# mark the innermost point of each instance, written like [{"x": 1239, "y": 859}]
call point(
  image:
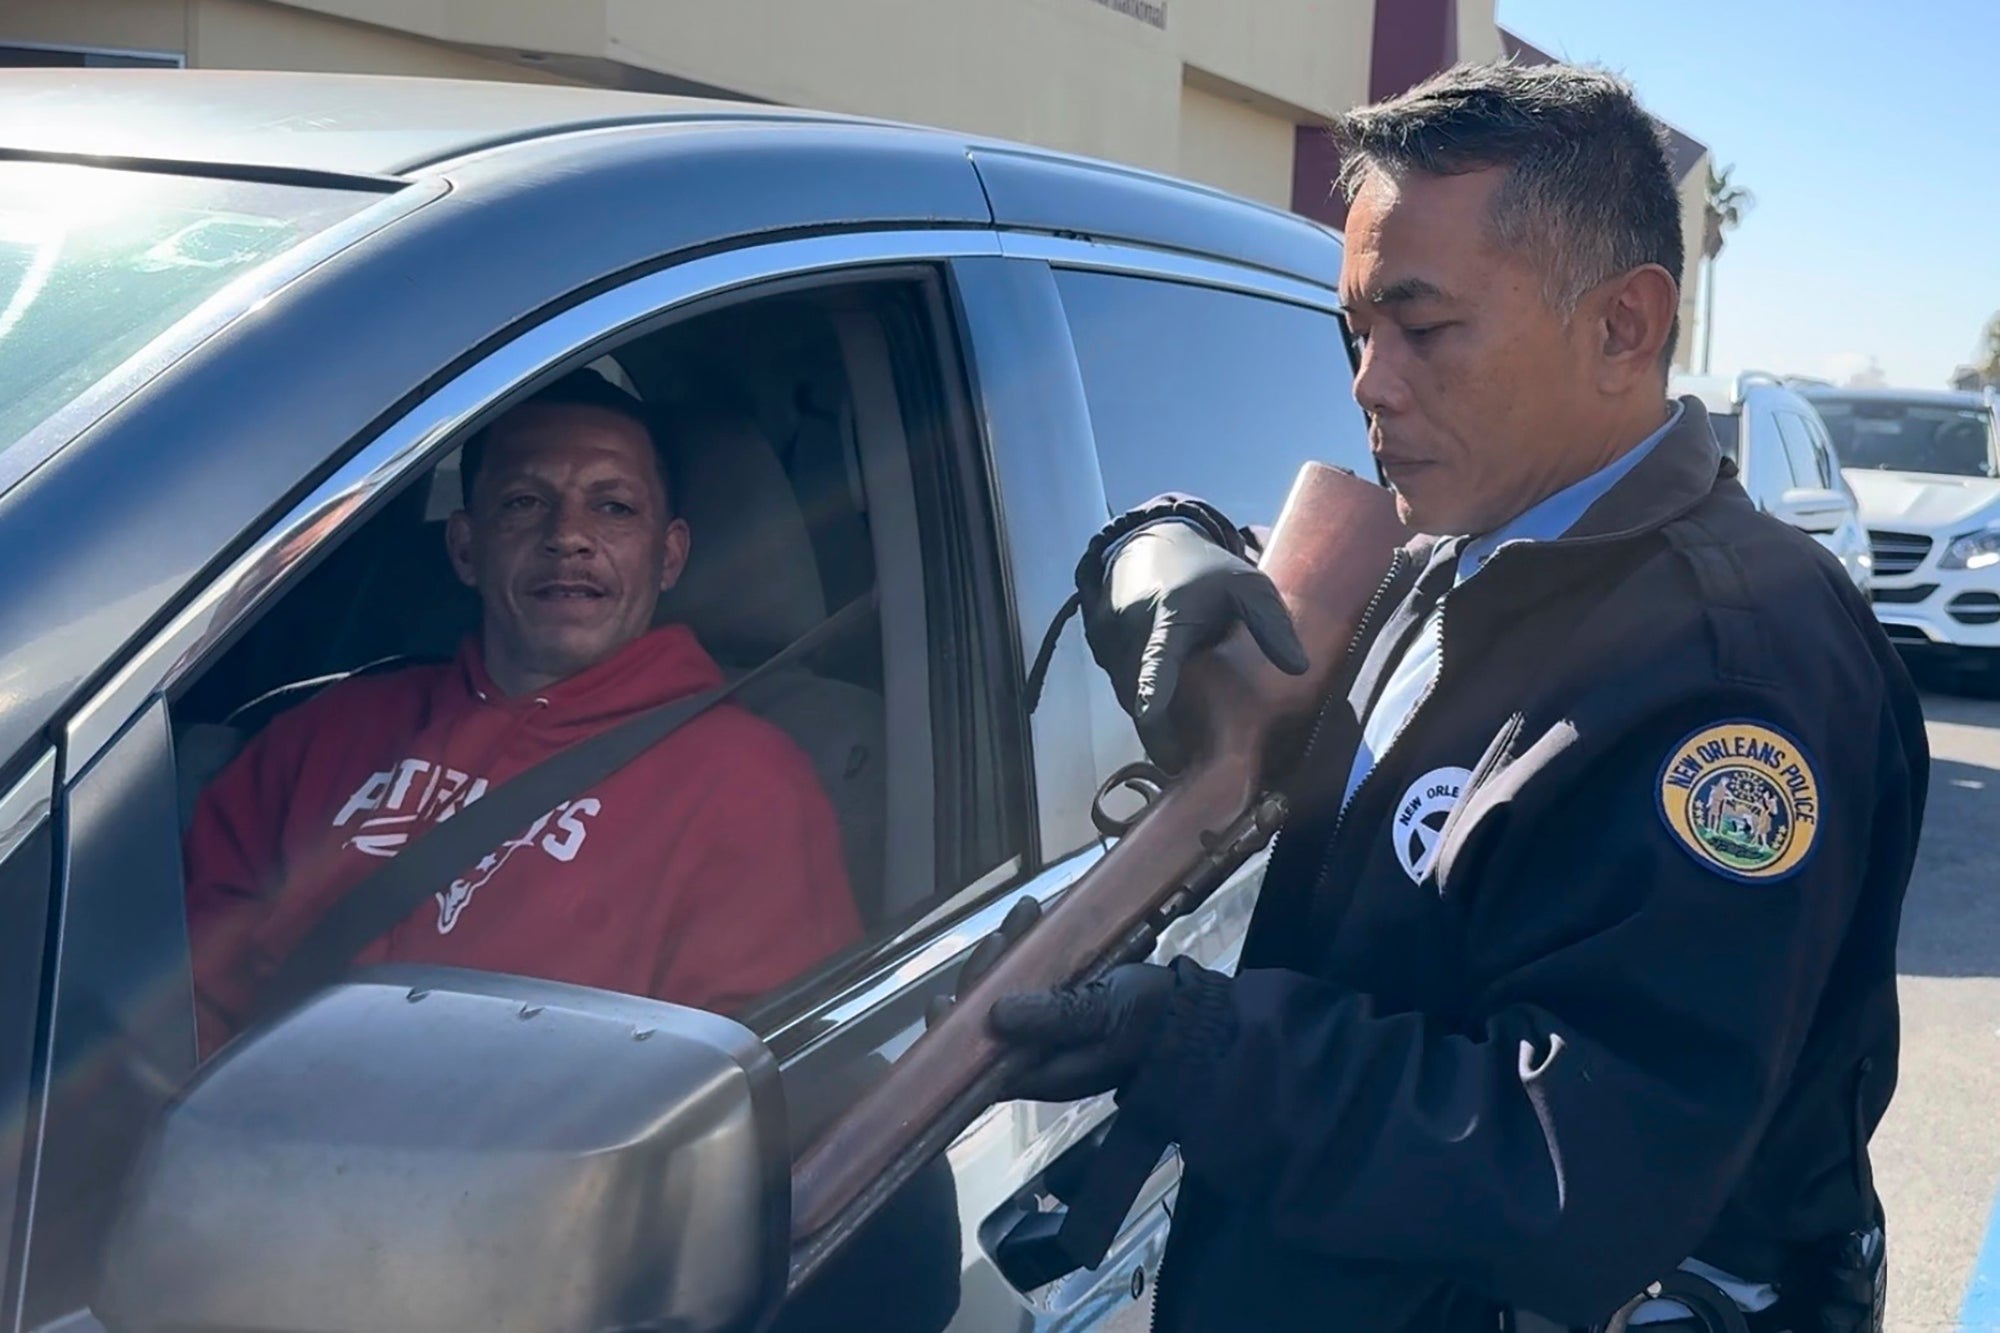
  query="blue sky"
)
[{"x": 1869, "y": 132}]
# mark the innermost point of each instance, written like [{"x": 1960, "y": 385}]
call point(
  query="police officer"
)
[{"x": 1574, "y": 967}]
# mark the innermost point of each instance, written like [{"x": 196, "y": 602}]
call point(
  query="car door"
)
[
  {"x": 958, "y": 779},
  {"x": 1109, "y": 374},
  {"x": 1227, "y": 354},
  {"x": 1032, "y": 484},
  {"x": 965, "y": 422},
  {"x": 1849, "y": 539}
]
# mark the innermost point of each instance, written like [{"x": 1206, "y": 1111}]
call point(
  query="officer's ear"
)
[{"x": 1632, "y": 321}]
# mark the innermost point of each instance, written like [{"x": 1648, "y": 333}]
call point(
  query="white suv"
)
[
  {"x": 1787, "y": 461},
  {"x": 1926, "y": 464}
]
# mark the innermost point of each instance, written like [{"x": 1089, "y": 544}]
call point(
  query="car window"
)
[
  {"x": 1823, "y": 456},
  {"x": 1209, "y": 392},
  {"x": 1898, "y": 435},
  {"x": 768, "y": 420},
  {"x": 1801, "y": 457},
  {"x": 828, "y": 809},
  {"x": 95, "y": 263}
]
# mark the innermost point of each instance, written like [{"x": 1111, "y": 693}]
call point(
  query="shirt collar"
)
[{"x": 1556, "y": 515}]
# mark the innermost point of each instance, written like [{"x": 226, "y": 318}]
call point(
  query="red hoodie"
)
[{"x": 705, "y": 872}]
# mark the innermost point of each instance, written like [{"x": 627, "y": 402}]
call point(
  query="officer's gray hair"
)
[{"x": 1589, "y": 194}]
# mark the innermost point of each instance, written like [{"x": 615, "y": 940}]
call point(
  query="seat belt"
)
[{"x": 435, "y": 857}]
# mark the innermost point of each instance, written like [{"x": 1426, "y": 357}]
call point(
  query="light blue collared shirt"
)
[{"x": 1543, "y": 522}]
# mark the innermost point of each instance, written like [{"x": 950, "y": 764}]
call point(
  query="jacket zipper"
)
[
  {"x": 1340, "y": 820},
  {"x": 1397, "y": 562},
  {"x": 1361, "y": 629},
  {"x": 1160, "y": 1277}
]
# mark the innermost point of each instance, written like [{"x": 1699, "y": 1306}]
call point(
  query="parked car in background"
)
[
  {"x": 251, "y": 318},
  {"x": 1786, "y": 460},
  {"x": 1926, "y": 465}
]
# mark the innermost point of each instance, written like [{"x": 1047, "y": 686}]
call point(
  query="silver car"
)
[
  {"x": 1786, "y": 460},
  {"x": 245, "y": 322}
]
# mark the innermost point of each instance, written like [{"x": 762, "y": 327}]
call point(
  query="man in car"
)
[
  {"x": 705, "y": 872},
  {"x": 1574, "y": 967}
]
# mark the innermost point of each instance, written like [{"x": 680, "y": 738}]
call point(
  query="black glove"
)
[
  {"x": 1020, "y": 917},
  {"x": 1088, "y": 1039},
  {"x": 1170, "y": 592}
]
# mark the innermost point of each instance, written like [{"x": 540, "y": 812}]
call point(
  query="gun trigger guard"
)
[{"x": 1142, "y": 777}]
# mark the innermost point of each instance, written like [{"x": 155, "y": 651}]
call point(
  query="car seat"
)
[{"x": 751, "y": 586}]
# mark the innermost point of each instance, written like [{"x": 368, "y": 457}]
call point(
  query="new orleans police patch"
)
[
  {"x": 1742, "y": 799},
  {"x": 1418, "y": 829}
]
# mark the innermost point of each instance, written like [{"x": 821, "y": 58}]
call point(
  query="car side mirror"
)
[
  {"x": 1813, "y": 509},
  {"x": 431, "y": 1149}
]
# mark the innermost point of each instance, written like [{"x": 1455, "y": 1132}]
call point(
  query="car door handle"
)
[{"x": 1036, "y": 1238}]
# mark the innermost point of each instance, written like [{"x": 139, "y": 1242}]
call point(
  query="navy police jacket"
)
[{"x": 1595, "y": 973}]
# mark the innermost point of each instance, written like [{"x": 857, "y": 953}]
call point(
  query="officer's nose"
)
[{"x": 1378, "y": 386}]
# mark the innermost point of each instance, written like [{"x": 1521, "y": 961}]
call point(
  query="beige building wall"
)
[
  {"x": 250, "y": 34},
  {"x": 1215, "y": 94},
  {"x": 1311, "y": 55},
  {"x": 151, "y": 26},
  {"x": 245, "y": 34},
  {"x": 1228, "y": 141},
  {"x": 1478, "y": 33}
]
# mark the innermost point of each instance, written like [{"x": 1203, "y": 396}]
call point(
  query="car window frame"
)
[
  {"x": 27, "y": 884},
  {"x": 370, "y": 472}
]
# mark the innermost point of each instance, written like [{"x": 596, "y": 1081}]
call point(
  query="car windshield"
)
[
  {"x": 1895, "y": 435},
  {"x": 96, "y": 263}
]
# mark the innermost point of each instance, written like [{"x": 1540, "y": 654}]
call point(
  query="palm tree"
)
[
  {"x": 1726, "y": 204},
  {"x": 1989, "y": 352}
]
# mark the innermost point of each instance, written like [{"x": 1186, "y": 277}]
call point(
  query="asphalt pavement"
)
[{"x": 1937, "y": 1154}]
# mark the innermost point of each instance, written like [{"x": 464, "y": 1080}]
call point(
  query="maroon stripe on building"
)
[{"x": 1414, "y": 39}]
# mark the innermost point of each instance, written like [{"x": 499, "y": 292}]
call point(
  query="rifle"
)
[{"x": 1328, "y": 555}]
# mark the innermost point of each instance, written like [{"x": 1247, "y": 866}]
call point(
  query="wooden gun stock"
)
[{"x": 1327, "y": 555}]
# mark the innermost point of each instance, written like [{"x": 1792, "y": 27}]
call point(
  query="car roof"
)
[
  {"x": 387, "y": 129},
  {"x": 1728, "y": 394},
  {"x": 349, "y": 124},
  {"x": 1927, "y": 397},
  {"x": 1717, "y": 393}
]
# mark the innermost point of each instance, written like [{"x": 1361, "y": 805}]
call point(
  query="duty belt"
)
[{"x": 1838, "y": 1286}]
